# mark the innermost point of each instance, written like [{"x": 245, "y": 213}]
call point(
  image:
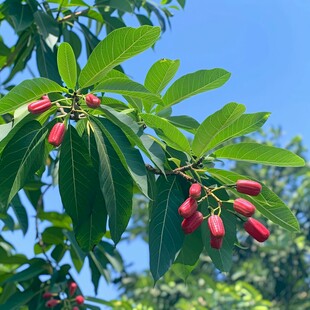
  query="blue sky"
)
[{"x": 264, "y": 44}]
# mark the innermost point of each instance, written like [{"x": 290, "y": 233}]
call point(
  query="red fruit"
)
[
  {"x": 52, "y": 303},
  {"x": 256, "y": 229},
  {"x": 47, "y": 295},
  {"x": 244, "y": 207},
  {"x": 92, "y": 101},
  {"x": 248, "y": 187},
  {"x": 195, "y": 191},
  {"x": 216, "y": 226},
  {"x": 79, "y": 299},
  {"x": 39, "y": 106},
  {"x": 188, "y": 207},
  {"x": 72, "y": 288},
  {"x": 191, "y": 223},
  {"x": 57, "y": 134},
  {"x": 216, "y": 243},
  {"x": 75, "y": 308}
]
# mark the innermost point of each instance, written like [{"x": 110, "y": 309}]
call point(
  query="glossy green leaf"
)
[
  {"x": 20, "y": 213},
  {"x": 57, "y": 219},
  {"x": 21, "y": 16},
  {"x": 18, "y": 300},
  {"x": 26, "y": 92},
  {"x": 185, "y": 122},
  {"x": 260, "y": 154},
  {"x": 116, "y": 186},
  {"x": 194, "y": 83},
  {"x": 213, "y": 125},
  {"x": 53, "y": 235},
  {"x": 78, "y": 193},
  {"x": 21, "y": 157},
  {"x": 125, "y": 5},
  {"x": 36, "y": 266},
  {"x": 160, "y": 74},
  {"x": 5, "y": 129},
  {"x": 165, "y": 233},
  {"x": 267, "y": 202},
  {"x": 167, "y": 132},
  {"x": 117, "y": 47},
  {"x": 245, "y": 124},
  {"x": 91, "y": 41},
  {"x": 46, "y": 61},
  {"x": 188, "y": 257},
  {"x": 127, "y": 87},
  {"x": 130, "y": 157},
  {"x": 67, "y": 64},
  {"x": 135, "y": 133},
  {"x": 48, "y": 28}
]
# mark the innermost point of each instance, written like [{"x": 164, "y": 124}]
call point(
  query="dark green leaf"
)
[
  {"x": 21, "y": 16},
  {"x": 185, "y": 122},
  {"x": 20, "y": 213},
  {"x": 165, "y": 234},
  {"x": 22, "y": 156}
]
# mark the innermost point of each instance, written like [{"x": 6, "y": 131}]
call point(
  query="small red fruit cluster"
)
[
  {"x": 53, "y": 301},
  {"x": 188, "y": 210},
  {"x": 252, "y": 226}
]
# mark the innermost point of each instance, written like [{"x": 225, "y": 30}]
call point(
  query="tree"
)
[{"x": 67, "y": 127}]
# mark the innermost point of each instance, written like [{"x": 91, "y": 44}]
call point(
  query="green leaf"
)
[
  {"x": 21, "y": 157},
  {"x": 260, "y": 154},
  {"x": 116, "y": 186},
  {"x": 18, "y": 300},
  {"x": 26, "y": 92},
  {"x": 160, "y": 74},
  {"x": 5, "y": 129},
  {"x": 37, "y": 266},
  {"x": 91, "y": 41},
  {"x": 46, "y": 61},
  {"x": 117, "y": 47},
  {"x": 167, "y": 132},
  {"x": 67, "y": 64},
  {"x": 135, "y": 133},
  {"x": 188, "y": 257},
  {"x": 20, "y": 213},
  {"x": 185, "y": 122},
  {"x": 194, "y": 83},
  {"x": 267, "y": 202},
  {"x": 21, "y": 16},
  {"x": 165, "y": 233},
  {"x": 78, "y": 190},
  {"x": 53, "y": 235},
  {"x": 245, "y": 124},
  {"x": 222, "y": 258},
  {"x": 124, "y": 5},
  {"x": 127, "y": 87},
  {"x": 48, "y": 28},
  {"x": 57, "y": 219},
  {"x": 129, "y": 155},
  {"x": 213, "y": 125}
]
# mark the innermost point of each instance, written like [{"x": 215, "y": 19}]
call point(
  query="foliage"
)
[
  {"x": 125, "y": 147},
  {"x": 275, "y": 276}
]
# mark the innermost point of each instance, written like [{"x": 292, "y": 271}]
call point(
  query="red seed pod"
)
[
  {"x": 57, "y": 134},
  {"x": 188, "y": 207},
  {"x": 92, "y": 101},
  {"x": 47, "y": 295},
  {"x": 52, "y": 303},
  {"x": 216, "y": 243},
  {"x": 79, "y": 299},
  {"x": 190, "y": 224},
  {"x": 256, "y": 229},
  {"x": 195, "y": 191},
  {"x": 244, "y": 207},
  {"x": 39, "y": 106},
  {"x": 248, "y": 187},
  {"x": 216, "y": 226},
  {"x": 72, "y": 288}
]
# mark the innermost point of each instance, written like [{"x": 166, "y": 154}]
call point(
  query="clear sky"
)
[{"x": 264, "y": 44}]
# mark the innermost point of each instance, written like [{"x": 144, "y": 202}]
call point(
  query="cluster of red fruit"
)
[
  {"x": 193, "y": 218},
  {"x": 53, "y": 302},
  {"x": 57, "y": 133}
]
